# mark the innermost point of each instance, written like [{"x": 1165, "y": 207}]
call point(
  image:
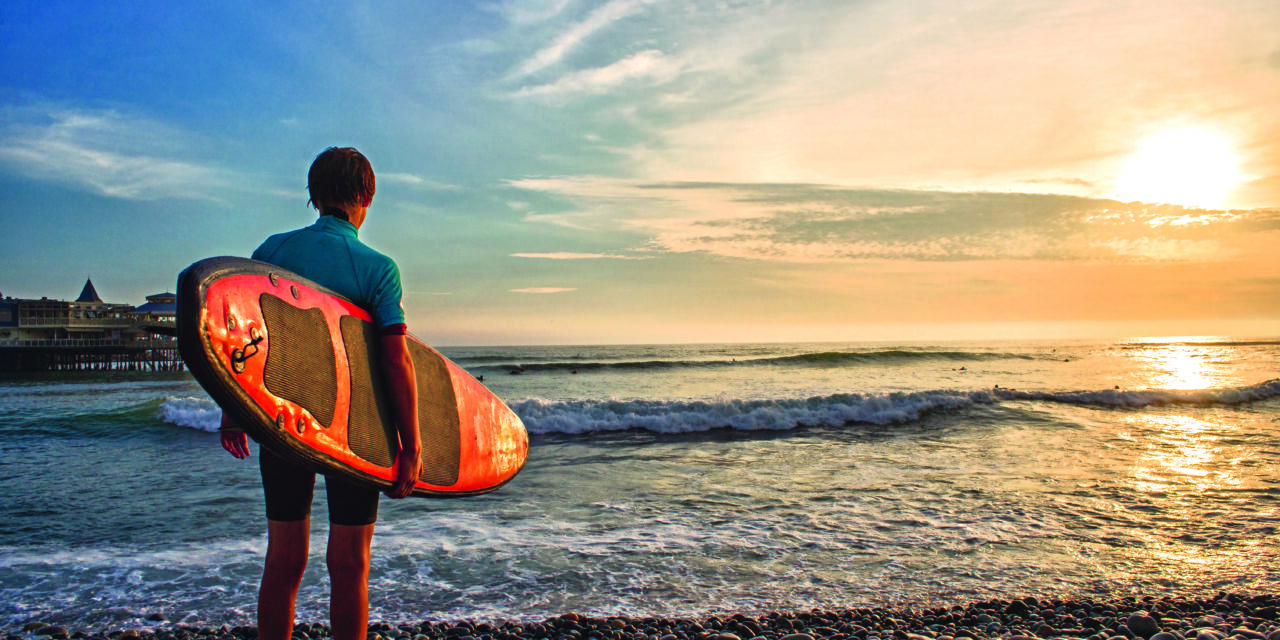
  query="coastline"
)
[{"x": 1224, "y": 616}]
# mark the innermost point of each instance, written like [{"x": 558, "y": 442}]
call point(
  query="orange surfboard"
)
[{"x": 297, "y": 365}]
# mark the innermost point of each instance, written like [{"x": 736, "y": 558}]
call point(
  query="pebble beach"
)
[{"x": 1225, "y": 616}]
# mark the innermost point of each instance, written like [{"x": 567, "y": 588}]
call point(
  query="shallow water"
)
[{"x": 692, "y": 479}]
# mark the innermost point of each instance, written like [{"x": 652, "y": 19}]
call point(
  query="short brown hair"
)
[{"x": 340, "y": 176}]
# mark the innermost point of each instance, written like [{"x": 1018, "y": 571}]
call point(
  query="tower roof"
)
[{"x": 88, "y": 294}]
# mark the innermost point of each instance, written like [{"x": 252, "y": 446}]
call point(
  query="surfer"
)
[{"x": 341, "y": 184}]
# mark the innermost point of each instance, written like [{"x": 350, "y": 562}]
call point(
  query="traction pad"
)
[
  {"x": 371, "y": 429},
  {"x": 438, "y": 424},
  {"x": 300, "y": 367}
]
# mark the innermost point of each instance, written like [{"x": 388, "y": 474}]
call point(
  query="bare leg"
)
[
  {"x": 287, "y": 546},
  {"x": 348, "y": 560}
]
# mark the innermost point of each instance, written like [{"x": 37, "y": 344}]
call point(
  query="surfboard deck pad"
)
[{"x": 298, "y": 366}]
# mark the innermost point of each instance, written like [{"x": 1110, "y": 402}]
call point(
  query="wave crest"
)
[
  {"x": 687, "y": 416},
  {"x": 815, "y": 359},
  {"x": 201, "y": 414},
  {"x": 1150, "y": 397}
]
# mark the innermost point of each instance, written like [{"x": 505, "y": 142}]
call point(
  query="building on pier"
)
[
  {"x": 87, "y": 334},
  {"x": 158, "y": 313}
]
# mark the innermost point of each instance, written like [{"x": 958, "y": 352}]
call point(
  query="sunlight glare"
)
[
  {"x": 1185, "y": 366},
  {"x": 1191, "y": 167}
]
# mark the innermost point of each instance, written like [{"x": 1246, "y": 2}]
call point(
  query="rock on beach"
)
[{"x": 1225, "y": 616}]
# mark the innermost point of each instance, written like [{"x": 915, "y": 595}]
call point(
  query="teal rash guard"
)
[{"x": 330, "y": 253}]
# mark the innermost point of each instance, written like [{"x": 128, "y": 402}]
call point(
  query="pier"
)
[
  {"x": 24, "y": 356},
  {"x": 88, "y": 334}
]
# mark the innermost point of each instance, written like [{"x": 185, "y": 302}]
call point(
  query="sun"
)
[{"x": 1192, "y": 167}]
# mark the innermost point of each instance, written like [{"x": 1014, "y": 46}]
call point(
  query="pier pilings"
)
[{"x": 31, "y": 356}]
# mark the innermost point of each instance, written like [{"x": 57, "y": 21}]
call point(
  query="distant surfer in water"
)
[{"x": 341, "y": 184}]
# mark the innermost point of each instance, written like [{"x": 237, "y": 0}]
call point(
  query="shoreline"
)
[{"x": 1224, "y": 616}]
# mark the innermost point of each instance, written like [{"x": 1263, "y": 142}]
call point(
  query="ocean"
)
[{"x": 689, "y": 480}]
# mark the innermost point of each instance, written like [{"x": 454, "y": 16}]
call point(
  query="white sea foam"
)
[
  {"x": 1151, "y": 397},
  {"x": 687, "y": 416},
  {"x": 203, "y": 583},
  {"x": 197, "y": 413}
]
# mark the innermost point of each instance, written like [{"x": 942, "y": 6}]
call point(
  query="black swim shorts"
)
[{"x": 289, "y": 491}]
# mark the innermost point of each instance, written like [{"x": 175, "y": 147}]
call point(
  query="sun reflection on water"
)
[
  {"x": 1184, "y": 363},
  {"x": 1183, "y": 454},
  {"x": 1187, "y": 477}
]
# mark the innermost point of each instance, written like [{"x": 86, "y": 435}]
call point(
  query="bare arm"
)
[
  {"x": 402, "y": 387},
  {"x": 233, "y": 438}
]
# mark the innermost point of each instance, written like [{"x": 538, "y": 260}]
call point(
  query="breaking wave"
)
[
  {"x": 817, "y": 359},
  {"x": 201, "y": 414},
  {"x": 1150, "y": 397},
  {"x": 687, "y": 416}
]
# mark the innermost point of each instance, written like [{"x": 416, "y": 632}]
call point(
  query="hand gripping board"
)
[{"x": 298, "y": 366}]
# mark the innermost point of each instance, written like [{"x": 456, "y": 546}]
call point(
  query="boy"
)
[{"x": 341, "y": 184}]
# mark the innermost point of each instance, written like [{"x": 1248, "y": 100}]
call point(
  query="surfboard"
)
[{"x": 298, "y": 366}]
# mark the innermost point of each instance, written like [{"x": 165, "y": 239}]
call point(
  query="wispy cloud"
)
[
  {"x": 596, "y": 203},
  {"x": 576, "y": 34},
  {"x": 884, "y": 94},
  {"x": 649, "y": 64},
  {"x": 1074, "y": 182},
  {"x": 108, "y": 153},
  {"x": 522, "y": 11},
  {"x": 805, "y": 223},
  {"x": 416, "y": 181},
  {"x": 565, "y": 255},
  {"x": 541, "y": 290},
  {"x": 572, "y": 220}
]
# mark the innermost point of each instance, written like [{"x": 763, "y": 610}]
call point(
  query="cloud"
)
[
  {"x": 806, "y": 223},
  {"x": 565, "y": 255},
  {"x": 566, "y": 220},
  {"x": 1074, "y": 182},
  {"x": 649, "y": 64},
  {"x": 575, "y": 35},
  {"x": 596, "y": 203},
  {"x": 107, "y": 153},
  {"x": 916, "y": 94},
  {"x": 417, "y": 182},
  {"x": 544, "y": 290},
  {"x": 522, "y": 11}
]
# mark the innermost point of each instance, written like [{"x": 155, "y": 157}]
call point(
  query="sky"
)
[{"x": 660, "y": 171}]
